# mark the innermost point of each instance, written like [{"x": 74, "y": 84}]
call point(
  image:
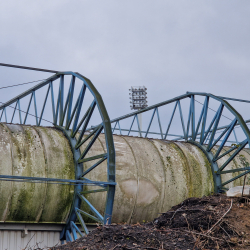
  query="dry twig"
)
[
  {"x": 118, "y": 245},
  {"x": 175, "y": 213},
  {"x": 210, "y": 230},
  {"x": 211, "y": 237}
]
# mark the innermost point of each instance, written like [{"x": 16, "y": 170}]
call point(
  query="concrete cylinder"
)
[
  {"x": 152, "y": 175},
  {"x": 36, "y": 152}
]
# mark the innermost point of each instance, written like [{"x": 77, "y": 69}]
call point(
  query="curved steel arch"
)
[
  {"x": 193, "y": 130},
  {"x": 68, "y": 118}
]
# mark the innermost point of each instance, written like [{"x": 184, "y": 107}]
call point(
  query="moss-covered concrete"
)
[
  {"x": 152, "y": 175},
  {"x": 240, "y": 161},
  {"x": 36, "y": 152},
  {"x": 5, "y": 169}
]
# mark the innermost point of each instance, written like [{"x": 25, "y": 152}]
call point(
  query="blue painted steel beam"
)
[
  {"x": 19, "y": 107},
  {"x": 84, "y": 120},
  {"x": 77, "y": 109},
  {"x": 182, "y": 120},
  {"x": 62, "y": 110},
  {"x": 94, "y": 166},
  {"x": 28, "y": 68},
  {"x": 243, "y": 144},
  {"x": 1, "y": 115},
  {"x": 35, "y": 107},
  {"x": 159, "y": 122},
  {"x": 96, "y": 130},
  {"x": 153, "y": 133},
  {"x": 131, "y": 125},
  {"x": 191, "y": 119},
  {"x": 139, "y": 129},
  {"x": 30, "y": 91},
  {"x": 5, "y": 114},
  {"x": 86, "y": 150},
  {"x": 218, "y": 139},
  {"x": 205, "y": 135},
  {"x": 71, "y": 92},
  {"x": 45, "y": 100},
  {"x": 240, "y": 120},
  {"x": 91, "y": 207},
  {"x": 13, "y": 113},
  {"x": 199, "y": 121},
  {"x": 229, "y": 130},
  {"x": 149, "y": 125},
  {"x": 235, "y": 178},
  {"x": 219, "y": 113},
  {"x": 171, "y": 119},
  {"x": 28, "y": 178},
  {"x": 119, "y": 127},
  {"x": 78, "y": 214}
]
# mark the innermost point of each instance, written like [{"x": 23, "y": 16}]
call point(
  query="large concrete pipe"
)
[
  {"x": 36, "y": 152},
  {"x": 152, "y": 175}
]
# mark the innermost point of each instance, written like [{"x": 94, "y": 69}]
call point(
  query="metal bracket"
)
[{"x": 24, "y": 232}]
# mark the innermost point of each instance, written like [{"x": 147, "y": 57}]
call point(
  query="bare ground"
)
[{"x": 213, "y": 222}]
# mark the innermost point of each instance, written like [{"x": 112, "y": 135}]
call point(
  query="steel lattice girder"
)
[
  {"x": 70, "y": 121},
  {"x": 192, "y": 130},
  {"x": 67, "y": 117}
]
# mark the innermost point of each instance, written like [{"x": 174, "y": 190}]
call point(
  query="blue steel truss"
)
[
  {"x": 205, "y": 132},
  {"x": 68, "y": 118}
]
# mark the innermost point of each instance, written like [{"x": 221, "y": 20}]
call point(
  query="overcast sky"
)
[{"x": 169, "y": 46}]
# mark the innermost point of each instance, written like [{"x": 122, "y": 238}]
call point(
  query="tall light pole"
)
[{"x": 138, "y": 96}]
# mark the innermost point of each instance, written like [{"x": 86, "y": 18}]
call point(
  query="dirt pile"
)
[{"x": 214, "y": 222}]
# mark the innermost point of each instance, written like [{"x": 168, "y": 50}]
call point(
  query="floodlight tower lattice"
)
[{"x": 138, "y": 97}]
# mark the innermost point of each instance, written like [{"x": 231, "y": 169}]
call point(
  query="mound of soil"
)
[{"x": 213, "y": 222}]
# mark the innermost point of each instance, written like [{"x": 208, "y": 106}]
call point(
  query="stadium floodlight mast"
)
[{"x": 138, "y": 100}]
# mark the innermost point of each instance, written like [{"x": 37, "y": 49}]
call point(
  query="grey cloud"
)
[{"x": 169, "y": 46}]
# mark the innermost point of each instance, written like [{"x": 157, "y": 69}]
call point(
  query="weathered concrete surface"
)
[
  {"x": 37, "y": 152},
  {"x": 240, "y": 161},
  {"x": 152, "y": 175}
]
